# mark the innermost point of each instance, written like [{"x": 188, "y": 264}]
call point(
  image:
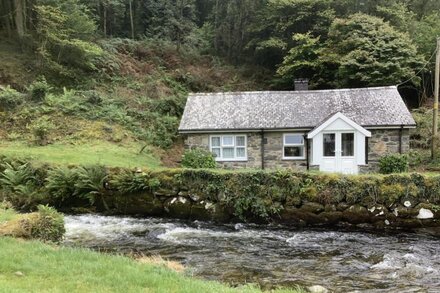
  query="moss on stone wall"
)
[{"x": 285, "y": 196}]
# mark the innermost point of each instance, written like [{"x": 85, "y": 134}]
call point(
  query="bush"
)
[
  {"x": 10, "y": 98},
  {"x": 48, "y": 225},
  {"x": 41, "y": 129},
  {"x": 128, "y": 181},
  {"x": 61, "y": 182},
  {"x": 91, "y": 182},
  {"x": 198, "y": 158},
  {"x": 39, "y": 89},
  {"x": 394, "y": 163},
  {"x": 19, "y": 183}
]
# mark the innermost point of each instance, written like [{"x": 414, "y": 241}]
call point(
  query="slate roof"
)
[{"x": 368, "y": 107}]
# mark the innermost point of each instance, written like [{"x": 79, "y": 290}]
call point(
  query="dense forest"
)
[
  {"x": 334, "y": 43},
  {"x": 132, "y": 62}
]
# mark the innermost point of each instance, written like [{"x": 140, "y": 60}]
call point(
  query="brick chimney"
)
[{"x": 301, "y": 84}]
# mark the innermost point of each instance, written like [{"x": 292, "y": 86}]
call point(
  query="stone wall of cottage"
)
[
  {"x": 253, "y": 149},
  {"x": 381, "y": 142},
  {"x": 273, "y": 153}
]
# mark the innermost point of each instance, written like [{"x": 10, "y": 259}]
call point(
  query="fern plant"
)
[
  {"x": 60, "y": 182},
  {"x": 91, "y": 182},
  {"x": 20, "y": 183},
  {"x": 15, "y": 176},
  {"x": 130, "y": 182}
]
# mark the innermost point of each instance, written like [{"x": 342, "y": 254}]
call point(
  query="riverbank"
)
[
  {"x": 278, "y": 196},
  {"x": 29, "y": 266}
]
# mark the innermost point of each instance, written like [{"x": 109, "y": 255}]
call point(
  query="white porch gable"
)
[{"x": 338, "y": 145}]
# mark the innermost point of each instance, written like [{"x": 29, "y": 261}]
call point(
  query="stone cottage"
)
[{"x": 345, "y": 130}]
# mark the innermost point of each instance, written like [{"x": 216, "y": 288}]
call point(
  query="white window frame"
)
[
  {"x": 303, "y": 145},
  {"x": 234, "y": 146}
]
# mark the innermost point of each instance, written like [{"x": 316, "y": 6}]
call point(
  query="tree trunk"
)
[
  {"x": 6, "y": 16},
  {"x": 19, "y": 20},
  {"x": 179, "y": 33},
  {"x": 104, "y": 22},
  {"x": 130, "y": 4},
  {"x": 216, "y": 27}
]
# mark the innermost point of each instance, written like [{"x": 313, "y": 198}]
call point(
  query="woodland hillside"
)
[{"x": 83, "y": 78}]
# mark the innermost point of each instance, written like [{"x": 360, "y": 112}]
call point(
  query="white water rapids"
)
[{"x": 341, "y": 260}]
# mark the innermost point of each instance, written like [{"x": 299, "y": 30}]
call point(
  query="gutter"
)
[
  {"x": 307, "y": 142},
  {"x": 400, "y": 139},
  {"x": 262, "y": 149},
  {"x": 240, "y": 130}
]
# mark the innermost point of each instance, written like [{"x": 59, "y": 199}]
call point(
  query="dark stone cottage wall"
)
[
  {"x": 382, "y": 142},
  {"x": 273, "y": 151}
]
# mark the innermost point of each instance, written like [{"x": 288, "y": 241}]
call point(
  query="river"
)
[{"x": 341, "y": 260}]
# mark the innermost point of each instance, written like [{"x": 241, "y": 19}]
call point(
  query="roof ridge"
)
[{"x": 292, "y": 91}]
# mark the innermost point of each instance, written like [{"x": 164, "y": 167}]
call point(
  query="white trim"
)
[
  {"x": 233, "y": 146},
  {"x": 391, "y": 127},
  {"x": 333, "y": 118},
  {"x": 303, "y": 145},
  {"x": 266, "y": 130}
]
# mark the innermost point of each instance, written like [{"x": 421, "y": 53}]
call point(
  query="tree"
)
[
  {"x": 63, "y": 39},
  {"x": 360, "y": 51},
  {"x": 271, "y": 34},
  {"x": 371, "y": 52},
  {"x": 302, "y": 61}
]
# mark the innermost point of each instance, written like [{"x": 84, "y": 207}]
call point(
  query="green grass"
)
[
  {"x": 59, "y": 269},
  {"x": 103, "y": 153},
  {"x": 7, "y": 215}
]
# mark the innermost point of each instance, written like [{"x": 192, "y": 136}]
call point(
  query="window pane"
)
[
  {"x": 228, "y": 140},
  {"x": 293, "y": 151},
  {"x": 215, "y": 141},
  {"x": 216, "y": 152},
  {"x": 241, "y": 152},
  {"x": 240, "y": 141},
  {"x": 329, "y": 144},
  {"x": 228, "y": 153},
  {"x": 294, "y": 139},
  {"x": 347, "y": 144}
]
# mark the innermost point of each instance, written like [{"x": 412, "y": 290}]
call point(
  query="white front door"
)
[{"x": 339, "y": 151}]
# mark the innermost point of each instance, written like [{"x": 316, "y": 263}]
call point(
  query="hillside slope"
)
[{"x": 132, "y": 100}]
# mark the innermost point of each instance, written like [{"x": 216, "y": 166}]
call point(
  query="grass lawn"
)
[
  {"x": 7, "y": 215},
  {"x": 44, "y": 268},
  {"x": 104, "y": 153}
]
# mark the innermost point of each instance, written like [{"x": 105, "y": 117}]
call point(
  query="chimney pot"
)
[{"x": 301, "y": 84}]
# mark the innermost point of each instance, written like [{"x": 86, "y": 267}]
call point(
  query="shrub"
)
[
  {"x": 128, "y": 181},
  {"x": 19, "y": 183},
  {"x": 10, "y": 98},
  {"x": 41, "y": 129},
  {"x": 48, "y": 225},
  {"x": 393, "y": 163},
  {"x": 39, "y": 89},
  {"x": 61, "y": 182},
  {"x": 198, "y": 158},
  {"x": 91, "y": 182}
]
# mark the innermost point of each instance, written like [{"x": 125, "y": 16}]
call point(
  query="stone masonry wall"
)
[
  {"x": 383, "y": 142},
  {"x": 253, "y": 149},
  {"x": 273, "y": 151}
]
